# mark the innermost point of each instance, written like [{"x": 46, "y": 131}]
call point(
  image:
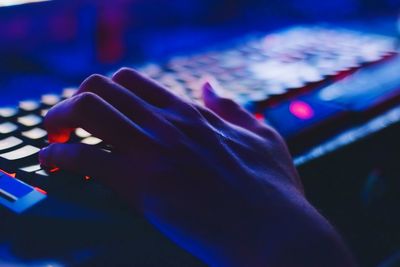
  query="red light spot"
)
[
  {"x": 259, "y": 116},
  {"x": 40, "y": 190},
  {"x": 87, "y": 177},
  {"x": 55, "y": 169},
  {"x": 60, "y": 137},
  {"x": 301, "y": 110},
  {"x": 9, "y": 174}
]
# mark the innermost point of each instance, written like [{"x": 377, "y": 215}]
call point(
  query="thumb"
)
[{"x": 228, "y": 109}]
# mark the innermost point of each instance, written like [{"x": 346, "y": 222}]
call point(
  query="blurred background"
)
[{"x": 62, "y": 41}]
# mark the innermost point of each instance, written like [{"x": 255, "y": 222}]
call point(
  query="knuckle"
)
[
  {"x": 122, "y": 73},
  {"x": 92, "y": 82},
  {"x": 86, "y": 98},
  {"x": 84, "y": 102}
]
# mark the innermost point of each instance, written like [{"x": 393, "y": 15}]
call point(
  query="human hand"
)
[{"x": 215, "y": 180}]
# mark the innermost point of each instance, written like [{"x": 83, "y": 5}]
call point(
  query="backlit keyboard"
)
[
  {"x": 262, "y": 73},
  {"x": 264, "y": 69}
]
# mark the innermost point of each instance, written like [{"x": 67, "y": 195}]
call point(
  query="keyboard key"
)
[
  {"x": 9, "y": 142},
  {"x": 43, "y": 112},
  {"x": 13, "y": 187},
  {"x": 82, "y": 133},
  {"x": 20, "y": 153},
  {"x": 69, "y": 92},
  {"x": 7, "y": 127},
  {"x": 32, "y": 168},
  {"x": 91, "y": 141},
  {"x": 42, "y": 173},
  {"x": 27, "y": 173},
  {"x": 35, "y": 133},
  {"x": 29, "y": 105},
  {"x": 8, "y": 112},
  {"x": 29, "y": 120},
  {"x": 50, "y": 99}
]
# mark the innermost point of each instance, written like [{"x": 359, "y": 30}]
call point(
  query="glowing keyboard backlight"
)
[
  {"x": 301, "y": 110},
  {"x": 19, "y": 2},
  {"x": 40, "y": 190}
]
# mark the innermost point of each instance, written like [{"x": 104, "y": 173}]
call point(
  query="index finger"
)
[{"x": 96, "y": 116}]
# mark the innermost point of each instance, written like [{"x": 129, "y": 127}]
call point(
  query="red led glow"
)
[
  {"x": 301, "y": 110},
  {"x": 61, "y": 137},
  {"x": 55, "y": 169},
  {"x": 9, "y": 174},
  {"x": 259, "y": 116},
  {"x": 40, "y": 190},
  {"x": 87, "y": 177}
]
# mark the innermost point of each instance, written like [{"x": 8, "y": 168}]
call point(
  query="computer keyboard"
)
[
  {"x": 22, "y": 136},
  {"x": 307, "y": 82},
  {"x": 278, "y": 77},
  {"x": 261, "y": 70}
]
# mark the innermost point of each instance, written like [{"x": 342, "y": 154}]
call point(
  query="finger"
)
[
  {"x": 228, "y": 109},
  {"x": 79, "y": 158},
  {"x": 146, "y": 88},
  {"x": 116, "y": 95},
  {"x": 125, "y": 175},
  {"x": 96, "y": 116},
  {"x": 126, "y": 102}
]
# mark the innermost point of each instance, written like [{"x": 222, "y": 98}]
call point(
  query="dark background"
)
[{"x": 67, "y": 40}]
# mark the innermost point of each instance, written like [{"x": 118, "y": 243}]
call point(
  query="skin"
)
[{"x": 213, "y": 179}]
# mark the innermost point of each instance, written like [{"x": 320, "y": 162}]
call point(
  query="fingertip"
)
[
  {"x": 43, "y": 153},
  {"x": 122, "y": 72},
  {"x": 208, "y": 90},
  {"x": 61, "y": 137},
  {"x": 45, "y": 159},
  {"x": 209, "y": 94}
]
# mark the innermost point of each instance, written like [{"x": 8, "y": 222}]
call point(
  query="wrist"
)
[{"x": 296, "y": 235}]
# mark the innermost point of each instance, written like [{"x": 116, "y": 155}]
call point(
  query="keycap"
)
[
  {"x": 29, "y": 105},
  {"x": 35, "y": 133},
  {"x": 69, "y": 92},
  {"x": 82, "y": 133},
  {"x": 29, "y": 120},
  {"x": 27, "y": 173},
  {"x": 43, "y": 112},
  {"x": 50, "y": 99},
  {"x": 20, "y": 153},
  {"x": 7, "y": 127},
  {"x": 8, "y": 112},
  {"x": 31, "y": 168},
  {"x": 91, "y": 141},
  {"x": 9, "y": 142},
  {"x": 42, "y": 173},
  {"x": 12, "y": 189}
]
